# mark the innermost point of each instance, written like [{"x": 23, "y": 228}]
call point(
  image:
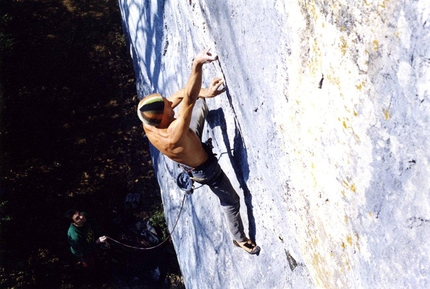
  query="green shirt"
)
[{"x": 81, "y": 239}]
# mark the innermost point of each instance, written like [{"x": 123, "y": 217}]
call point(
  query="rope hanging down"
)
[{"x": 159, "y": 245}]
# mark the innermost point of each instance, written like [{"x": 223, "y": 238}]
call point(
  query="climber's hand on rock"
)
[
  {"x": 214, "y": 88},
  {"x": 205, "y": 56}
]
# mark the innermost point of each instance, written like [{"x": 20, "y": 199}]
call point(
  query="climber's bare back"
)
[{"x": 186, "y": 150}]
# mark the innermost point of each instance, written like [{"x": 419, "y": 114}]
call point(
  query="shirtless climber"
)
[{"x": 180, "y": 139}]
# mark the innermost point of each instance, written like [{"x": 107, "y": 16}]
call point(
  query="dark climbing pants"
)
[{"x": 211, "y": 174}]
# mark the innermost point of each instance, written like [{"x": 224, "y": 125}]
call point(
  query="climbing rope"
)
[{"x": 156, "y": 246}]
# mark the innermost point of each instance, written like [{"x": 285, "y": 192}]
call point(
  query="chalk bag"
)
[{"x": 185, "y": 183}]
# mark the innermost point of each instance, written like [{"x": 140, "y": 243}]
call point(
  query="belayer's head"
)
[
  {"x": 76, "y": 217},
  {"x": 151, "y": 109}
]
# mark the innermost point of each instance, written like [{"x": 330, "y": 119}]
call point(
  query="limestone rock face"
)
[{"x": 323, "y": 132}]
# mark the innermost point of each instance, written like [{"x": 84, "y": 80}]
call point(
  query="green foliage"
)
[
  {"x": 158, "y": 220},
  {"x": 6, "y": 40},
  {"x": 4, "y": 219}
]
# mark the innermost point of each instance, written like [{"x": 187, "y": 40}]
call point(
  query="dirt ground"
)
[{"x": 70, "y": 139}]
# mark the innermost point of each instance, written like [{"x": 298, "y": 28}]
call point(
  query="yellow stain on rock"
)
[
  {"x": 383, "y": 5},
  {"x": 343, "y": 45},
  {"x": 349, "y": 240},
  {"x": 387, "y": 114},
  {"x": 357, "y": 244},
  {"x": 323, "y": 275},
  {"x": 314, "y": 63},
  {"x": 375, "y": 44},
  {"x": 397, "y": 34},
  {"x": 360, "y": 85},
  {"x": 315, "y": 259},
  {"x": 336, "y": 80},
  {"x": 352, "y": 187},
  {"x": 348, "y": 267},
  {"x": 357, "y": 138},
  {"x": 315, "y": 242},
  {"x": 344, "y": 124}
]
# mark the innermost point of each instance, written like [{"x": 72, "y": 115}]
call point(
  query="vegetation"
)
[
  {"x": 158, "y": 220},
  {"x": 69, "y": 138},
  {"x": 6, "y": 41}
]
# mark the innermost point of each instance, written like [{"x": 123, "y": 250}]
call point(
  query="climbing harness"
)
[
  {"x": 156, "y": 246},
  {"x": 185, "y": 179}
]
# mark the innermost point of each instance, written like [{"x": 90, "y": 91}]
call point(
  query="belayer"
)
[
  {"x": 179, "y": 138},
  {"x": 83, "y": 238}
]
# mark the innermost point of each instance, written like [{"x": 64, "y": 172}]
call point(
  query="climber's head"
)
[{"x": 155, "y": 110}]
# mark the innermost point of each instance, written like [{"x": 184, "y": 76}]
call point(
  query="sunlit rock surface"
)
[{"x": 323, "y": 132}]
